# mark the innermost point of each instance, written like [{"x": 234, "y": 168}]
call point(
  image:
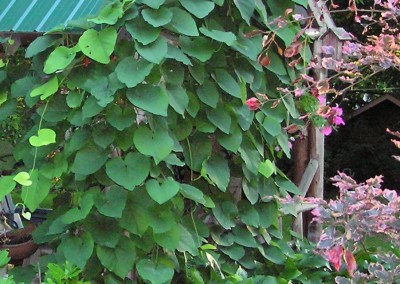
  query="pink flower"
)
[
  {"x": 337, "y": 110},
  {"x": 337, "y": 120},
  {"x": 253, "y": 103},
  {"x": 326, "y": 130},
  {"x": 335, "y": 255}
]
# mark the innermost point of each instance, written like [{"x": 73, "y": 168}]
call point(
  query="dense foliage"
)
[{"x": 141, "y": 127}]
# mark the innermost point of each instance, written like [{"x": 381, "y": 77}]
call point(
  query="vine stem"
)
[{"x": 40, "y": 126}]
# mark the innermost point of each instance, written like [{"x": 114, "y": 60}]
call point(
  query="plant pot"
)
[{"x": 19, "y": 243}]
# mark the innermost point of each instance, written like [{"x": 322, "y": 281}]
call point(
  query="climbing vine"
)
[{"x": 145, "y": 127}]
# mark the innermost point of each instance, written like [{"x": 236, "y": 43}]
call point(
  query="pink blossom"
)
[
  {"x": 337, "y": 120},
  {"x": 253, "y": 103},
  {"x": 335, "y": 255},
  {"x": 326, "y": 130}
]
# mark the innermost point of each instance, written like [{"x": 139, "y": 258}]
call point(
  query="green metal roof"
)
[{"x": 28, "y": 16}]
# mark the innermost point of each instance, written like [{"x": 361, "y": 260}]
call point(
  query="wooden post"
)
[{"x": 311, "y": 147}]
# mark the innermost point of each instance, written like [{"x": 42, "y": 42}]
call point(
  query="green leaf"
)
[
  {"x": 173, "y": 72},
  {"x": 105, "y": 231},
  {"x": 178, "y": 99},
  {"x": 287, "y": 185},
  {"x": 249, "y": 214},
  {"x": 193, "y": 193},
  {"x": 155, "y": 51},
  {"x": 132, "y": 72},
  {"x": 7, "y": 184},
  {"x": 155, "y": 4},
  {"x": 47, "y": 89},
  {"x": 98, "y": 45},
  {"x": 225, "y": 212},
  {"x": 200, "y": 8},
  {"x": 275, "y": 255},
  {"x": 161, "y": 194},
  {"x": 135, "y": 166},
  {"x": 120, "y": 259},
  {"x": 246, "y": 9},
  {"x": 40, "y": 44},
  {"x": 182, "y": 22},
  {"x": 272, "y": 126},
  {"x": 89, "y": 160},
  {"x": 243, "y": 236},
  {"x": 266, "y": 168},
  {"x": 142, "y": 31},
  {"x": 208, "y": 93},
  {"x": 157, "y": 18},
  {"x": 288, "y": 101},
  {"x": 120, "y": 118},
  {"x": 227, "y": 83},
  {"x": 109, "y": 14},
  {"x": 103, "y": 136},
  {"x": 178, "y": 55},
  {"x": 23, "y": 178},
  {"x": 77, "y": 249},
  {"x": 80, "y": 212},
  {"x": 113, "y": 202},
  {"x": 74, "y": 99},
  {"x": 235, "y": 252},
  {"x": 231, "y": 141},
  {"x": 4, "y": 258},
  {"x": 226, "y": 37},
  {"x": 196, "y": 151},
  {"x": 276, "y": 64},
  {"x": 153, "y": 99},
  {"x": 35, "y": 193},
  {"x": 199, "y": 47},
  {"x": 220, "y": 118},
  {"x": 283, "y": 141},
  {"x": 157, "y": 144},
  {"x": 217, "y": 169},
  {"x": 60, "y": 58},
  {"x": 155, "y": 273},
  {"x": 44, "y": 137},
  {"x": 170, "y": 239},
  {"x": 136, "y": 216}
]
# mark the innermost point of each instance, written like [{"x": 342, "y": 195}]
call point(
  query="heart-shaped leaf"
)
[
  {"x": 120, "y": 259},
  {"x": 45, "y": 137},
  {"x": 131, "y": 72},
  {"x": 157, "y": 144},
  {"x": 142, "y": 31},
  {"x": 182, "y": 22},
  {"x": 27, "y": 215},
  {"x": 113, "y": 203},
  {"x": 153, "y": 99},
  {"x": 98, "y": 45},
  {"x": 60, "y": 58},
  {"x": 23, "y": 178},
  {"x": 155, "y": 51},
  {"x": 129, "y": 172},
  {"x": 157, "y": 18},
  {"x": 199, "y": 8},
  {"x": 47, "y": 89},
  {"x": 109, "y": 14},
  {"x": 155, "y": 273},
  {"x": 161, "y": 194},
  {"x": 120, "y": 118},
  {"x": 77, "y": 249}
]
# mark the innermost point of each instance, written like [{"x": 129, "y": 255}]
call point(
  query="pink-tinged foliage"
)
[
  {"x": 362, "y": 211},
  {"x": 350, "y": 261},
  {"x": 335, "y": 255}
]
